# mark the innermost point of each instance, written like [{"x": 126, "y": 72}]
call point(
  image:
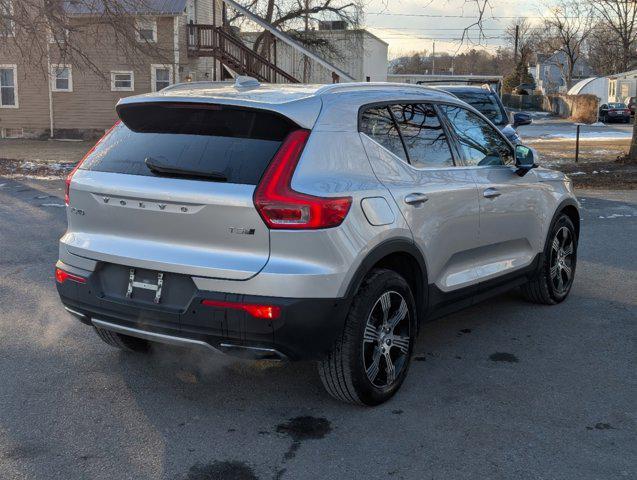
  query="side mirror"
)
[
  {"x": 524, "y": 159},
  {"x": 520, "y": 119}
]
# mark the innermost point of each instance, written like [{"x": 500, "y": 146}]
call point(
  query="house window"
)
[
  {"x": 122, "y": 81},
  {"x": 161, "y": 77},
  {"x": 61, "y": 78},
  {"x": 146, "y": 30},
  {"x": 6, "y": 23},
  {"x": 11, "y": 133},
  {"x": 58, "y": 35},
  {"x": 8, "y": 87}
]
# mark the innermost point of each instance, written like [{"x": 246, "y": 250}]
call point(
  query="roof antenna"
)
[{"x": 243, "y": 81}]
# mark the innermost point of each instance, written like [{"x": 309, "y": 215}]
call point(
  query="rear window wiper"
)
[{"x": 156, "y": 166}]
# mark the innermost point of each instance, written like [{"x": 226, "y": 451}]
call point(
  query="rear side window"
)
[
  {"x": 236, "y": 143},
  {"x": 424, "y": 137},
  {"x": 412, "y": 132},
  {"x": 378, "y": 124}
]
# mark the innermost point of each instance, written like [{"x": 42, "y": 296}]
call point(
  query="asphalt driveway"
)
[{"x": 504, "y": 390}]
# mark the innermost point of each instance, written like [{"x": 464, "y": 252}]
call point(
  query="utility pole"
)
[
  {"x": 306, "y": 62},
  {"x": 433, "y": 59},
  {"x": 515, "y": 50}
]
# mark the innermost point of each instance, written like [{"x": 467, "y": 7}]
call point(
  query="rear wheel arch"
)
[{"x": 402, "y": 257}]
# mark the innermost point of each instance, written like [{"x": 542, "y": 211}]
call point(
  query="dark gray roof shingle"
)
[{"x": 97, "y": 7}]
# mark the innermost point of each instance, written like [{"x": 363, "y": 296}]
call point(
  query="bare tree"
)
[
  {"x": 620, "y": 18},
  {"x": 527, "y": 39},
  {"x": 601, "y": 50},
  {"x": 568, "y": 25},
  {"x": 71, "y": 32},
  {"x": 297, "y": 17}
]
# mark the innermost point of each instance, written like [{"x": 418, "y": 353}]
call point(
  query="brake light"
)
[
  {"x": 67, "y": 182},
  {"x": 265, "y": 312},
  {"x": 283, "y": 208},
  {"x": 61, "y": 276}
]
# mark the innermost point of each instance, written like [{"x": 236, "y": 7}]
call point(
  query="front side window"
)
[
  {"x": 8, "y": 93},
  {"x": 61, "y": 78},
  {"x": 481, "y": 144},
  {"x": 378, "y": 124},
  {"x": 122, "y": 82},
  {"x": 161, "y": 77},
  {"x": 424, "y": 137}
]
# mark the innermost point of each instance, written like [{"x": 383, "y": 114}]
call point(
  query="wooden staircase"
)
[{"x": 212, "y": 41}]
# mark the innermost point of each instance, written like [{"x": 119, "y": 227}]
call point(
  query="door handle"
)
[
  {"x": 416, "y": 198},
  {"x": 491, "y": 193}
]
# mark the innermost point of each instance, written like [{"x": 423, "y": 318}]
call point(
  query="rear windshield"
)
[
  {"x": 236, "y": 143},
  {"x": 488, "y": 104},
  {"x": 617, "y": 105}
]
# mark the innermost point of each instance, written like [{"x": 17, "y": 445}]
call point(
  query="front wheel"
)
[
  {"x": 553, "y": 281},
  {"x": 368, "y": 364}
]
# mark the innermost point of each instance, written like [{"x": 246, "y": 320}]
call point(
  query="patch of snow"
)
[
  {"x": 53, "y": 205},
  {"x": 576, "y": 173},
  {"x": 597, "y": 136},
  {"x": 29, "y": 165},
  {"x": 595, "y": 172},
  {"x": 42, "y": 197},
  {"x": 2, "y": 185},
  {"x": 597, "y": 124},
  {"x": 68, "y": 139}
]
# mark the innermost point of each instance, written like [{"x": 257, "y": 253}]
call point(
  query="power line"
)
[
  {"x": 445, "y": 29},
  {"x": 436, "y": 15}
]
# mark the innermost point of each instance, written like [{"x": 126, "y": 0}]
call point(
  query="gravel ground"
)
[{"x": 503, "y": 390}]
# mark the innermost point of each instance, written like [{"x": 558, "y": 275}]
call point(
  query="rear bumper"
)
[{"x": 305, "y": 330}]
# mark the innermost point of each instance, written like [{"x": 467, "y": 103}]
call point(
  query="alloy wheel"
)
[
  {"x": 562, "y": 260},
  {"x": 386, "y": 340}
]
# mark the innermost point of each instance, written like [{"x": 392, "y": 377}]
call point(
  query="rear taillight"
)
[
  {"x": 67, "y": 187},
  {"x": 61, "y": 276},
  {"x": 283, "y": 208},
  {"x": 264, "y": 312}
]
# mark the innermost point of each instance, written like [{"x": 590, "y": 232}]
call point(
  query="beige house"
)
[
  {"x": 180, "y": 41},
  {"x": 75, "y": 101}
]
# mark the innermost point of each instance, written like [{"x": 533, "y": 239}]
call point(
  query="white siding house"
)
[
  {"x": 613, "y": 88},
  {"x": 359, "y": 53}
]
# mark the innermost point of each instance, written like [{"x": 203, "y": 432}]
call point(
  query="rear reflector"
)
[
  {"x": 283, "y": 208},
  {"x": 265, "y": 312},
  {"x": 61, "y": 276}
]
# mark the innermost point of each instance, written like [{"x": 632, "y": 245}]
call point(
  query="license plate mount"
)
[{"x": 145, "y": 285}]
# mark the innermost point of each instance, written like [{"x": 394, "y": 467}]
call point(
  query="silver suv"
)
[{"x": 307, "y": 222}]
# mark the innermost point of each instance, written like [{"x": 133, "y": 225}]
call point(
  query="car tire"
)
[
  {"x": 369, "y": 362},
  {"x": 123, "y": 342},
  {"x": 553, "y": 281}
]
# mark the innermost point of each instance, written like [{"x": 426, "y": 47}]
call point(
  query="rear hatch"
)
[{"x": 170, "y": 189}]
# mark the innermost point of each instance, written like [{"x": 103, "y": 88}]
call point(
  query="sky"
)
[{"x": 413, "y": 25}]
